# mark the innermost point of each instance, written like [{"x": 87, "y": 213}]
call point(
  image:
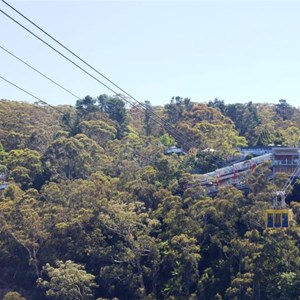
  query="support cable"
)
[
  {"x": 56, "y": 109},
  {"x": 37, "y": 71},
  {"x": 179, "y": 135},
  {"x": 39, "y": 100},
  {"x": 170, "y": 128}
]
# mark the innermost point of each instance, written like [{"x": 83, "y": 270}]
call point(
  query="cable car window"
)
[
  {"x": 285, "y": 220},
  {"x": 270, "y": 220},
  {"x": 277, "y": 220}
]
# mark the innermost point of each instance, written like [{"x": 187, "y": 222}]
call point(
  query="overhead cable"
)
[
  {"x": 28, "y": 93},
  {"x": 89, "y": 74},
  {"x": 58, "y": 110},
  {"x": 170, "y": 128},
  {"x": 164, "y": 122},
  {"x": 31, "y": 67}
]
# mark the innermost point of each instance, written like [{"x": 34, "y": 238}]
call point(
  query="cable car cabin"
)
[
  {"x": 174, "y": 149},
  {"x": 278, "y": 218}
]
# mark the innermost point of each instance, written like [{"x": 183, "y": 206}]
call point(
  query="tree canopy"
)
[{"x": 94, "y": 209}]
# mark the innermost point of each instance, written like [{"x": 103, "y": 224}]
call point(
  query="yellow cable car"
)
[{"x": 278, "y": 218}]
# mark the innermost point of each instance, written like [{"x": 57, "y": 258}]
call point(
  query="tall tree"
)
[
  {"x": 87, "y": 105},
  {"x": 148, "y": 119},
  {"x": 284, "y": 110},
  {"x": 115, "y": 108},
  {"x": 68, "y": 281}
]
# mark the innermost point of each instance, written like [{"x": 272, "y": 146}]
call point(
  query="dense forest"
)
[{"x": 94, "y": 209}]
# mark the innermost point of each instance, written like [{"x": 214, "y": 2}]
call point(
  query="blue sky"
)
[{"x": 237, "y": 51}]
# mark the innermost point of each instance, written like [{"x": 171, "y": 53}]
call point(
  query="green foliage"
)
[
  {"x": 1, "y": 148},
  {"x": 26, "y": 125},
  {"x": 99, "y": 131},
  {"x": 245, "y": 118},
  {"x": 219, "y": 104},
  {"x": 24, "y": 166},
  {"x": 115, "y": 108},
  {"x": 75, "y": 157},
  {"x": 68, "y": 281},
  {"x": 289, "y": 285},
  {"x": 87, "y": 105},
  {"x": 263, "y": 124},
  {"x": 284, "y": 110},
  {"x": 148, "y": 119},
  {"x": 241, "y": 287},
  {"x": 13, "y": 296},
  {"x": 167, "y": 140},
  {"x": 95, "y": 209}
]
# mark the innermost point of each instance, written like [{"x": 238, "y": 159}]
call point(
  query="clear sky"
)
[{"x": 237, "y": 51}]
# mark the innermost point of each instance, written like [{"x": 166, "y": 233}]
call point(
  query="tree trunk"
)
[{"x": 141, "y": 279}]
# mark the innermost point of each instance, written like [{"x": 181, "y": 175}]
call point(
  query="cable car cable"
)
[
  {"x": 105, "y": 77},
  {"x": 89, "y": 74},
  {"x": 37, "y": 71},
  {"x": 165, "y": 124},
  {"x": 290, "y": 180},
  {"x": 58, "y": 110},
  {"x": 28, "y": 93},
  {"x": 188, "y": 142}
]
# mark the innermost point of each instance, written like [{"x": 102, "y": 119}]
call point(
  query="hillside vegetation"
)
[{"x": 95, "y": 209}]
